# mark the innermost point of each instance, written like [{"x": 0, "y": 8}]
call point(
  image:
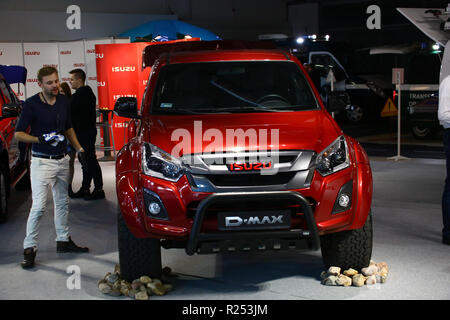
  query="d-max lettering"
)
[{"x": 235, "y": 221}]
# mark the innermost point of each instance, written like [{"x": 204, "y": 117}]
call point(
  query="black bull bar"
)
[{"x": 282, "y": 239}]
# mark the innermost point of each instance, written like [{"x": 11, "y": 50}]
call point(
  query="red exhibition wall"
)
[{"x": 120, "y": 74}]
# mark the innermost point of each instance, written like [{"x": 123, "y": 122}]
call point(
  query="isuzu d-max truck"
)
[{"x": 233, "y": 150}]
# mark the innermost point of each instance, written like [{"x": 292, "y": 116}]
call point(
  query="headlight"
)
[
  {"x": 334, "y": 158},
  {"x": 160, "y": 164}
]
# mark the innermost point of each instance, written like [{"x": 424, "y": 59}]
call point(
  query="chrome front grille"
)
[{"x": 291, "y": 169}]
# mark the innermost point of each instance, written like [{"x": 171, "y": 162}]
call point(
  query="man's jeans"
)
[
  {"x": 446, "y": 195},
  {"x": 45, "y": 173}
]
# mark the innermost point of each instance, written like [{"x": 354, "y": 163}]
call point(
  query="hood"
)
[{"x": 186, "y": 134}]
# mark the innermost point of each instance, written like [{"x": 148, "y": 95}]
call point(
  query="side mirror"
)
[
  {"x": 126, "y": 107},
  {"x": 337, "y": 101},
  {"x": 11, "y": 110}
]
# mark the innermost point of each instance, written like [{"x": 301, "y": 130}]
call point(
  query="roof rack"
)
[{"x": 152, "y": 52}]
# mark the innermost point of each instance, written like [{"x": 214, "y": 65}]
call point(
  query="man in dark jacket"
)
[{"x": 83, "y": 105}]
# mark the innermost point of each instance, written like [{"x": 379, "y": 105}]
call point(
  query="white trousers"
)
[{"x": 45, "y": 173}]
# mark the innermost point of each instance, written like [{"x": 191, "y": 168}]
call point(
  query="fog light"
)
[
  {"x": 344, "y": 200},
  {"x": 154, "y": 208}
]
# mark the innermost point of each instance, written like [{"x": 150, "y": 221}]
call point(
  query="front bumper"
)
[
  {"x": 200, "y": 242},
  {"x": 184, "y": 204}
]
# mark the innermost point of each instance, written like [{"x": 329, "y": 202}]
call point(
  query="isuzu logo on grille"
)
[{"x": 253, "y": 166}]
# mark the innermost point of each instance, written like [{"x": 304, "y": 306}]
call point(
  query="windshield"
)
[{"x": 232, "y": 87}]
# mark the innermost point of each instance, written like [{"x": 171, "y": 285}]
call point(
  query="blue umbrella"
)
[
  {"x": 167, "y": 30},
  {"x": 14, "y": 74}
]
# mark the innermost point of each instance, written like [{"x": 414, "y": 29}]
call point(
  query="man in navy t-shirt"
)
[{"x": 48, "y": 115}]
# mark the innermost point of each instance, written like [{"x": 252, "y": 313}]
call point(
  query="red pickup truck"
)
[
  {"x": 14, "y": 156},
  {"x": 232, "y": 149}
]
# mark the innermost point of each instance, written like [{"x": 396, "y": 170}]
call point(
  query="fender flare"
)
[
  {"x": 128, "y": 188},
  {"x": 364, "y": 187}
]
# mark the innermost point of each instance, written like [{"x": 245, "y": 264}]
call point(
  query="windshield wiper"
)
[
  {"x": 176, "y": 111},
  {"x": 246, "y": 108},
  {"x": 255, "y": 104}
]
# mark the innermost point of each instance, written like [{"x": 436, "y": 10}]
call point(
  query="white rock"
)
[
  {"x": 334, "y": 271},
  {"x": 371, "y": 280},
  {"x": 370, "y": 270},
  {"x": 343, "y": 280}
]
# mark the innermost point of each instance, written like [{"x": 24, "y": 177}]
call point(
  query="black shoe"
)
[
  {"x": 81, "y": 193},
  {"x": 96, "y": 194},
  {"x": 28, "y": 258},
  {"x": 69, "y": 246},
  {"x": 446, "y": 240},
  {"x": 71, "y": 193}
]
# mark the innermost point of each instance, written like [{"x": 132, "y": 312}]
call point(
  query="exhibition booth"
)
[{"x": 113, "y": 65}]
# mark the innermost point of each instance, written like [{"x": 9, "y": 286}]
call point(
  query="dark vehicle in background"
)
[
  {"x": 366, "y": 97},
  {"x": 423, "y": 117},
  {"x": 366, "y": 76},
  {"x": 421, "y": 64},
  {"x": 14, "y": 156}
]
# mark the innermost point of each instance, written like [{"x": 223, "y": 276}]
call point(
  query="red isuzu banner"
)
[{"x": 119, "y": 74}]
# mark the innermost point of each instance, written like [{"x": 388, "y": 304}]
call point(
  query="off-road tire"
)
[
  {"x": 348, "y": 249},
  {"x": 137, "y": 257}
]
